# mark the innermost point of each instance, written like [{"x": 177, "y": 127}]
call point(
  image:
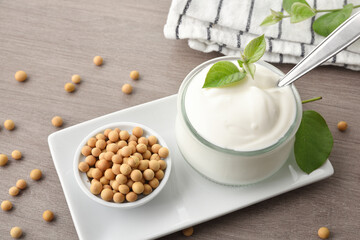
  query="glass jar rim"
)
[{"x": 289, "y": 133}]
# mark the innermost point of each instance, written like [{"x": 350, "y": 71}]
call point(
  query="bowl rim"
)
[{"x": 123, "y": 205}]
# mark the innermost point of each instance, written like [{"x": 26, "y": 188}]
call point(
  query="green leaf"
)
[
  {"x": 313, "y": 142},
  {"x": 255, "y": 49},
  {"x": 250, "y": 68},
  {"x": 270, "y": 20},
  {"x": 300, "y": 12},
  {"x": 327, "y": 23},
  {"x": 288, "y": 3},
  {"x": 240, "y": 62},
  {"x": 223, "y": 73},
  {"x": 276, "y": 14}
]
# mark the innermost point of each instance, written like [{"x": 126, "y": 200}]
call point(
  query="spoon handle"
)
[{"x": 340, "y": 38}]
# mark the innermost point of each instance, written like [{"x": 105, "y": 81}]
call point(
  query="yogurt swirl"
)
[{"x": 247, "y": 116}]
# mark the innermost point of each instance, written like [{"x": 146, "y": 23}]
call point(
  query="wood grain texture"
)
[{"x": 52, "y": 40}]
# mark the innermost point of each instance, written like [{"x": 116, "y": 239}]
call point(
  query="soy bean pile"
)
[{"x": 122, "y": 167}]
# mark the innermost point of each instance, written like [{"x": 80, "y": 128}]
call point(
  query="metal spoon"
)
[{"x": 340, "y": 38}]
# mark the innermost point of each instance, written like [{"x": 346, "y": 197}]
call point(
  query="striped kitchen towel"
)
[{"x": 228, "y": 25}]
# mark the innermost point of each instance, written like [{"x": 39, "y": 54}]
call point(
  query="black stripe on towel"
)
[
  {"x": 270, "y": 44},
  {"x": 250, "y": 15},
  {"x": 302, "y": 45},
  {"x": 333, "y": 59},
  {"x": 187, "y": 5},
  {"x": 218, "y": 12},
  {"x": 281, "y": 58},
  {"x": 221, "y": 47},
  {"x": 215, "y": 21},
  {"x": 311, "y": 29},
  {"x": 208, "y": 31},
  {"x": 239, "y": 39},
  {"x": 280, "y": 26}
]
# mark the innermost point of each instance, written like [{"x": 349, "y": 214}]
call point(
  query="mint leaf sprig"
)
[
  {"x": 252, "y": 53},
  {"x": 300, "y": 10},
  {"x": 225, "y": 73}
]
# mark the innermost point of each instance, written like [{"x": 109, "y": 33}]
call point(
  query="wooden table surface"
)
[{"x": 52, "y": 40}]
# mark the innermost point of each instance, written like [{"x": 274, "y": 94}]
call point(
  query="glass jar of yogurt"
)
[{"x": 239, "y": 134}]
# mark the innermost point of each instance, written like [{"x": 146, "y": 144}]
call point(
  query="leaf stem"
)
[
  {"x": 333, "y": 10},
  {"x": 311, "y": 100}
]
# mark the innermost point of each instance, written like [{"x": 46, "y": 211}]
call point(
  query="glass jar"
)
[{"x": 227, "y": 166}]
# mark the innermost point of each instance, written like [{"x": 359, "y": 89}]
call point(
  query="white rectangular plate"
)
[{"x": 187, "y": 199}]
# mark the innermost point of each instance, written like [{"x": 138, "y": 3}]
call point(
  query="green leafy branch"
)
[
  {"x": 225, "y": 73},
  {"x": 300, "y": 10}
]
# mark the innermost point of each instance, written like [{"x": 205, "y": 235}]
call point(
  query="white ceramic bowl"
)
[{"x": 84, "y": 181}]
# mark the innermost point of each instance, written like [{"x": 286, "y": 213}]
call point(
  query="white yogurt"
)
[
  {"x": 250, "y": 115},
  {"x": 240, "y": 134}
]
